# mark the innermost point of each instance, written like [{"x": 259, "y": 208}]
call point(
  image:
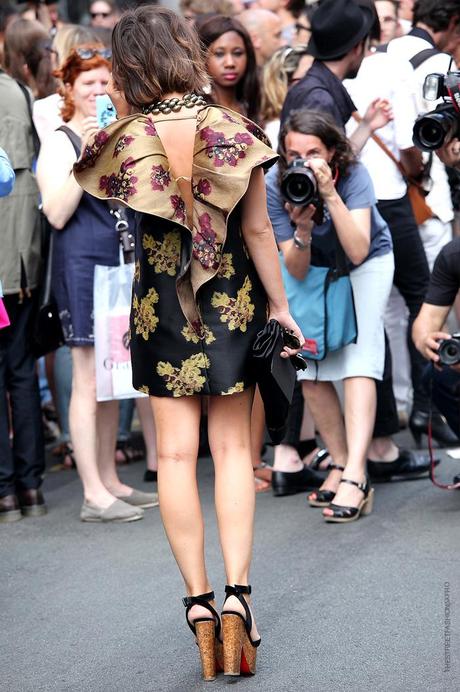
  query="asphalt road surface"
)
[{"x": 365, "y": 607}]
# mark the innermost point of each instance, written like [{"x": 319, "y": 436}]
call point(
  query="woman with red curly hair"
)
[{"x": 84, "y": 235}]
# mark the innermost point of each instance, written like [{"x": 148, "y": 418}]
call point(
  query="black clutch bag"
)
[
  {"x": 275, "y": 376},
  {"x": 47, "y": 333}
]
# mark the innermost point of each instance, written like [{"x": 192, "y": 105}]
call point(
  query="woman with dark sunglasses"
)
[
  {"x": 84, "y": 235},
  {"x": 207, "y": 278}
]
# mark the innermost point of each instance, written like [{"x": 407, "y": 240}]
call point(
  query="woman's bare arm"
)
[
  {"x": 353, "y": 227},
  {"x": 61, "y": 194}
]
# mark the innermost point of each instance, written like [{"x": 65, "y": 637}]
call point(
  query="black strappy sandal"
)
[
  {"x": 342, "y": 514},
  {"x": 207, "y": 633},
  {"x": 239, "y": 649},
  {"x": 323, "y": 498}
]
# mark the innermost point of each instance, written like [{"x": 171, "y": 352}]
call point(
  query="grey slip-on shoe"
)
[
  {"x": 140, "y": 499},
  {"x": 117, "y": 511}
]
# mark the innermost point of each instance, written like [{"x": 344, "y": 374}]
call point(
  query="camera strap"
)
[{"x": 124, "y": 233}]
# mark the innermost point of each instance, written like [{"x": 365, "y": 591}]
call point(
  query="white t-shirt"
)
[
  {"x": 403, "y": 49},
  {"x": 46, "y": 115},
  {"x": 272, "y": 130},
  {"x": 376, "y": 79}
]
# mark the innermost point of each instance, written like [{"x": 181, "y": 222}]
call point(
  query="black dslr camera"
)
[
  {"x": 449, "y": 350},
  {"x": 433, "y": 129},
  {"x": 298, "y": 185}
]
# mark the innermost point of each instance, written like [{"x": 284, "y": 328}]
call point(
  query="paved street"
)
[{"x": 364, "y": 607}]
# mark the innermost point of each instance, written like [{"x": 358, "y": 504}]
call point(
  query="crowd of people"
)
[
  {"x": 329, "y": 90},
  {"x": 315, "y": 93},
  {"x": 320, "y": 95}
]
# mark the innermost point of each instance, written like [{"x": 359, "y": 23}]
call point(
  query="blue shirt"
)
[
  {"x": 356, "y": 191},
  {"x": 7, "y": 176}
]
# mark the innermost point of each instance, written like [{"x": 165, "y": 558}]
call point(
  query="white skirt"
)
[{"x": 371, "y": 283}]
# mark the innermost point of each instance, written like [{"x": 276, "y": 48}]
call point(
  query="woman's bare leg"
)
[
  {"x": 107, "y": 415},
  {"x": 177, "y": 486},
  {"x": 82, "y": 423},
  {"x": 229, "y": 431},
  {"x": 257, "y": 428},
  {"x": 324, "y": 405},
  {"x": 148, "y": 431},
  {"x": 360, "y": 406}
]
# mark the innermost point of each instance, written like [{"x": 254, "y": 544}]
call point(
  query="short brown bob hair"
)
[{"x": 155, "y": 52}]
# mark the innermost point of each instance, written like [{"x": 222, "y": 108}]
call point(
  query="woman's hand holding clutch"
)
[{"x": 293, "y": 334}]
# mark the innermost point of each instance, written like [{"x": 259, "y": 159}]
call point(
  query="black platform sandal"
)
[
  {"x": 239, "y": 649},
  {"x": 342, "y": 514},
  {"x": 323, "y": 498},
  {"x": 207, "y": 633}
]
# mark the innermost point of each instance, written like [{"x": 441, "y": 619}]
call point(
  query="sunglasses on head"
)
[
  {"x": 104, "y": 15},
  {"x": 88, "y": 53}
]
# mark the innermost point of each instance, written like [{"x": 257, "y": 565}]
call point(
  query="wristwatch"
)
[{"x": 301, "y": 244}]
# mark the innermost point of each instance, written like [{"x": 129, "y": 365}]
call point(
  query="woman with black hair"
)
[{"x": 231, "y": 64}]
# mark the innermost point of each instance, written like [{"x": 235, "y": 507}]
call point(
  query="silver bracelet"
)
[{"x": 301, "y": 244}]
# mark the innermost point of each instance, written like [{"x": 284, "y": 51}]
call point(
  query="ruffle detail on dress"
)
[{"x": 126, "y": 162}]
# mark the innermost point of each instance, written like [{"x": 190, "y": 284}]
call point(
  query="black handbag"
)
[
  {"x": 275, "y": 376},
  {"x": 47, "y": 333}
]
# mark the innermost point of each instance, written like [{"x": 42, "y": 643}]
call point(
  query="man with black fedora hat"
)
[{"x": 339, "y": 31}]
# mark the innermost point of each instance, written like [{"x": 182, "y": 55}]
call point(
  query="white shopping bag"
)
[{"x": 112, "y": 305}]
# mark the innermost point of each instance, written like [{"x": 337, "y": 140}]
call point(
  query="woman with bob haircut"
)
[
  {"x": 231, "y": 63},
  {"x": 84, "y": 235},
  {"x": 350, "y": 218},
  {"x": 207, "y": 278}
]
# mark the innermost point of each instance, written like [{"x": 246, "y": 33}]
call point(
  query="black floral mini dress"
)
[{"x": 197, "y": 301}]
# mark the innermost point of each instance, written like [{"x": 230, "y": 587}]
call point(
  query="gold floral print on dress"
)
[
  {"x": 235, "y": 312},
  {"x": 226, "y": 269},
  {"x": 143, "y": 389},
  {"x": 186, "y": 380},
  {"x": 145, "y": 319},
  {"x": 236, "y": 389},
  {"x": 190, "y": 334},
  {"x": 163, "y": 255},
  {"x": 137, "y": 271}
]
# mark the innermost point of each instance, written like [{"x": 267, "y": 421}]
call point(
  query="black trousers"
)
[
  {"x": 411, "y": 278},
  {"x": 445, "y": 387},
  {"x": 22, "y": 461}
]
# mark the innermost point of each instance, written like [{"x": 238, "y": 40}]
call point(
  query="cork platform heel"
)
[
  {"x": 207, "y": 633},
  {"x": 240, "y": 650}
]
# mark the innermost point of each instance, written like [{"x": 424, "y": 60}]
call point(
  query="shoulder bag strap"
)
[
  {"x": 74, "y": 138},
  {"x": 419, "y": 58},
  {"x": 383, "y": 147},
  {"x": 49, "y": 268}
]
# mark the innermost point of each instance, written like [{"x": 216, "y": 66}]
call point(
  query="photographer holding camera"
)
[
  {"x": 437, "y": 345},
  {"x": 334, "y": 204},
  {"x": 439, "y": 131}
]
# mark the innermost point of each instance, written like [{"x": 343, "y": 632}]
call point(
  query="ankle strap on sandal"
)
[
  {"x": 335, "y": 467},
  {"x": 201, "y": 600},
  {"x": 361, "y": 486},
  {"x": 237, "y": 590}
]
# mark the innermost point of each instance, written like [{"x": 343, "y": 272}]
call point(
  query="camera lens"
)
[
  {"x": 431, "y": 129},
  {"x": 449, "y": 352},
  {"x": 298, "y": 184}
]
